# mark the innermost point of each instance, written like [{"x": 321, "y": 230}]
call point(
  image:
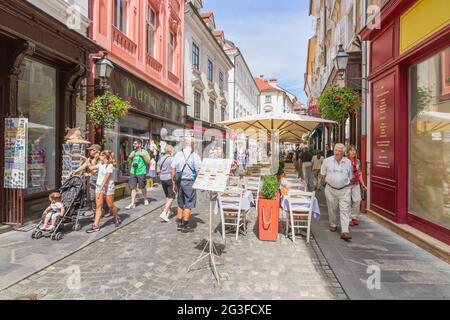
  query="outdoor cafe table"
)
[
  {"x": 300, "y": 202},
  {"x": 246, "y": 202}
]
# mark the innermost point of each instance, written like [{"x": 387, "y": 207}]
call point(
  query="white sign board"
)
[
  {"x": 16, "y": 156},
  {"x": 213, "y": 175}
]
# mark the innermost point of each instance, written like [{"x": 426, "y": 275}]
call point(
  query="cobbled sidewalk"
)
[{"x": 148, "y": 259}]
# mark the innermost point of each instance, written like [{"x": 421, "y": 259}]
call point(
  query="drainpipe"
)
[{"x": 365, "y": 114}]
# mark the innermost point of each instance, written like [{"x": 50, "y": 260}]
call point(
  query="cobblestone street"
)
[{"x": 148, "y": 259}]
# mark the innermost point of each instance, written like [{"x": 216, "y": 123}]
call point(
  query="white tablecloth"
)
[
  {"x": 298, "y": 202},
  {"x": 246, "y": 202}
]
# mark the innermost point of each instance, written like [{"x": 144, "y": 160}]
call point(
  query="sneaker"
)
[
  {"x": 355, "y": 222},
  {"x": 43, "y": 227},
  {"x": 164, "y": 216},
  {"x": 146, "y": 203},
  {"x": 93, "y": 228},
  {"x": 179, "y": 225},
  {"x": 118, "y": 222},
  {"x": 50, "y": 228},
  {"x": 131, "y": 206},
  {"x": 351, "y": 223}
]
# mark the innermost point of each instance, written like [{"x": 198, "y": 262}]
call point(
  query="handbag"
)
[
  {"x": 363, "y": 194},
  {"x": 178, "y": 175}
]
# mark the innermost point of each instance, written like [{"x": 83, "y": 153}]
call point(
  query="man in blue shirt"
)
[{"x": 187, "y": 164}]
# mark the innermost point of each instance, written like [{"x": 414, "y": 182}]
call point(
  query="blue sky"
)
[{"x": 272, "y": 35}]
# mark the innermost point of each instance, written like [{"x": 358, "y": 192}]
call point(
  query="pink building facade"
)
[{"x": 144, "y": 40}]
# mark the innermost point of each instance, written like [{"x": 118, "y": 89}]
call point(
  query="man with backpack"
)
[
  {"x": 139, "y": 159},
  {"x": 184, "y": 170}
]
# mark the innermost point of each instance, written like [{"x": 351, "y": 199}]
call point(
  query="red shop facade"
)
[{"x": 409, "y": 78}]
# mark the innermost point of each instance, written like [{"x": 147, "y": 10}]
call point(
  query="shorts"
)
[
  {"x": 139, "y": 180},
  {"x": 187, "y": 195},
  {"x": 108, "y": 190},
  {"x": 167, "y": 186},
  {"x": 51, "y": 215}
]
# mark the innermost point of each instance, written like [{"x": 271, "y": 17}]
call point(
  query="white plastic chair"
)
[
  {"x": 234, "y": 181},
  {"x": 253, "y": 184},
  {"x": 230, "y": 203},
  {"x": 300, "y": 212}
]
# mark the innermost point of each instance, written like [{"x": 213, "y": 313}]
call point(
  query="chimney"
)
[{"x": 273, "y": 81}]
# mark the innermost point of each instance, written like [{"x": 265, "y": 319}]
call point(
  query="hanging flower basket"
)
[
  {"x": 337, "y": 103},
  {"x": 106, "y": 109}
]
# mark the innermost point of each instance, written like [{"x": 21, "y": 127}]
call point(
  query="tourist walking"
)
[
  {"x": 306, "y": 158},
  {"x": 184, "y": 170},
  {"x": 163, "y": 169},
  {"x": 105, "y": 189},
  {"x": 337, "y": 171},
  {"x": 140, "y": 160},
  {"x": 317, "y": 161},
  {"x": 357, "y": 183}
]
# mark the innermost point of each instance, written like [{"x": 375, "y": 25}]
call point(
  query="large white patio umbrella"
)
[{"x": 287, "y": 126}]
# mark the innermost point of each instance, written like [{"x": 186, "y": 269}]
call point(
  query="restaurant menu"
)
[
  {"x": 15, "y": 165},
  {"x": 213, "y": 175}
]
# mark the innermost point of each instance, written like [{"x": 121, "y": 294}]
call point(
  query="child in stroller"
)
[{"x": 55, "y": 209}]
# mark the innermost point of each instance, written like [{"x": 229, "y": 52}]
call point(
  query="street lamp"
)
[
  {"x": 103, "y": 69},
  {"x": 341, "y": 60}
]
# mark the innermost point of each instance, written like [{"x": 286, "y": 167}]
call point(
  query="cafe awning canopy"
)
[
  {"x": 432, "y": 121},
  {"x": 288, "y": 126}
]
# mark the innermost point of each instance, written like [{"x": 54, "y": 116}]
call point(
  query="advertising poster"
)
[{"x": 16, "y": 142}]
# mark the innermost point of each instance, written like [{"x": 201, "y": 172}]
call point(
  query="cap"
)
[{"x": 95, "y": 147}]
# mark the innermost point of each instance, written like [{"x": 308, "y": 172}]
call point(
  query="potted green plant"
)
[
  {"x": 106, "y": 109},
  {"x": 268, "y": 209}
]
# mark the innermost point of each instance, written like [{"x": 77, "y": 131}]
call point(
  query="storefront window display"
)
[
  {"x": 429, "y": 147},
  {"x": 120, "y": 140},
  {"x": 37, "y": 102}
]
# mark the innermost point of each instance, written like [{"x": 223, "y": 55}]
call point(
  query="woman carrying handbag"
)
[{"x": 357, "y": 185}]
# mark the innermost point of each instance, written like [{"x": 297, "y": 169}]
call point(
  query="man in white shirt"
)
[
  {"x": 337, "y": 171},
  {"x": 186, "y": 163}
]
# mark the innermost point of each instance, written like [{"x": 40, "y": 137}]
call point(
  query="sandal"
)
[{"x": 118, "y": 222}]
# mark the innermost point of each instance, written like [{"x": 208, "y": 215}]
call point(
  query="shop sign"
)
[
  {"x": 146, "y": 99},
  {"x": 15, "y": 157},
  {"x": 383, "y": 127}
]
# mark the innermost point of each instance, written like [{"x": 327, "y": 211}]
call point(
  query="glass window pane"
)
[
  {"x": 429, "y": 147},
  {"x": 120, "y": 141},
  {"x": 37, "y": 102}
]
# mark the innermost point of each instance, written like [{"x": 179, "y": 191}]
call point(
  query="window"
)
[
  {"x": 221, "y": 80},
  {"x": 121, "y": 15},
  {"x": 222, "y": 114},
  {"x": 171, "y": 51},
  {"x": 268, "y": 99},
  {"x": 210, "y": 70},
  {"x": 212, "y": 106},
  {"x": 197, "y": 104},
  {"x": 429, "y": 139},
  {"x": 151, "y": 32},
  {"x": 195, "y": 56},
  {"x": 36, "y": 95}
]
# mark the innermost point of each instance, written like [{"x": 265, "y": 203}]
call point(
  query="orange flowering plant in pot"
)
[{"x": 106, "y": 109}]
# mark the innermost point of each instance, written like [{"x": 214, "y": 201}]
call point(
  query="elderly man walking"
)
[
  {"x": 337, "y": 171},
  {"x": 184, "y": 170}
]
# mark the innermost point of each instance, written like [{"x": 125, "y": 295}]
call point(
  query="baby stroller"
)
[{"x": 73, "y": 198}]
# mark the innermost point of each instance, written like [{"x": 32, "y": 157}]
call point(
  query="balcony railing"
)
[
  {"x": 120, "y": 39},
  {"x": 173, "y": 78},
  {"x": 153, "y": 63},
  {"x": 175, "y": 5}
]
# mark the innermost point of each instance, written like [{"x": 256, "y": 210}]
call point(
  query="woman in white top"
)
[{"x": 105, "y": 188}]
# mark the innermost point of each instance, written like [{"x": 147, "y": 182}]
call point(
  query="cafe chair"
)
[
  {"x": 231, "y": 214},
  {"x": 253, "y": 184},
  {"x": 300, "y": 212}
]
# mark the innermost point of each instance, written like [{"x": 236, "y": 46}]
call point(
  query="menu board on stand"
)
[
  {"x": 16, "y": 142},
  {"x": 213, "y": 175}
]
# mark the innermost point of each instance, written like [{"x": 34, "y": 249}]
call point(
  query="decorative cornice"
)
[{"x": 26, "y": 48}]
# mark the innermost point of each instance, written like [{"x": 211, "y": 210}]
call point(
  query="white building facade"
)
[
  {"x": 243, "y": 91},
  {"x": 73, "y": 13},
  {"x": 206, "y": 67},
  {"x": 274, "y": 98}
]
